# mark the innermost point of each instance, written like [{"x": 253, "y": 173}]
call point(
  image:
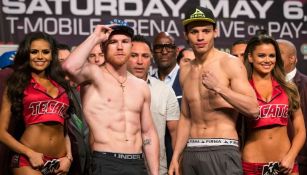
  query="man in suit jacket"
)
[{"x": 289, "y": 56}]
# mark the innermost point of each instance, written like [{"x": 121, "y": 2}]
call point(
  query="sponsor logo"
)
[
  {"x": 273, "y": 111},
  {"x": 47, "y": 107}
]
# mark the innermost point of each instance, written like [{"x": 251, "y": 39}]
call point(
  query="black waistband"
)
[{"x": 119, "y": 155}]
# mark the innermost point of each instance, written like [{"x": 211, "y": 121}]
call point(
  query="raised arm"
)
[
  {"x": 76, "y": 64},
  {"x": 239, "y": 94},
  {"x": 182, "y": 136},
  {"x": 149, "y": 135}
]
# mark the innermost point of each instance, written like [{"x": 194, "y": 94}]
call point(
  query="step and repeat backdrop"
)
[{"x": 70, "y": 21}]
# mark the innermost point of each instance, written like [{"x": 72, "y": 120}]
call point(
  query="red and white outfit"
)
[
  {"x": 274, "y": 112},
  {"x": 40, "y": 107}
]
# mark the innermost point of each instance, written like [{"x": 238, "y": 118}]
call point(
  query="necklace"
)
[
  {"x": 122, "y": 86},
  {"x": 120, "y": 83}
]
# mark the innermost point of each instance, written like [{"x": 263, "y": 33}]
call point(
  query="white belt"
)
[{"x": 212, "y": 142}]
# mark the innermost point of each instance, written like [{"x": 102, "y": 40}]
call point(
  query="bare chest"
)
[
  {"x": 112, "y": 96},
  {"x": 194, "y": 88}
]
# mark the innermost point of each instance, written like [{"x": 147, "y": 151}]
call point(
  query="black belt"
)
[{"x": 119, "y": 155}]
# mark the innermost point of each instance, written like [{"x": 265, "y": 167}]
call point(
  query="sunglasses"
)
[{"x": 158, "y": 48}]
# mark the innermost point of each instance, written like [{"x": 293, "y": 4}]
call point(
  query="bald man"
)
[
  {"x": 289, "y": 56},
  {"x": 165, "y": 56}
]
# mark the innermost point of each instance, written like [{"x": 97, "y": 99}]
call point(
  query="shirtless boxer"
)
[
  {"x": 115, "y": 104},
  {"x": 215, "y": 90}
]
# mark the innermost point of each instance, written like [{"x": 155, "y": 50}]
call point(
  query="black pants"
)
[
  {"x": 168, "y": 147},
  {"x": 103, "y": 164}
]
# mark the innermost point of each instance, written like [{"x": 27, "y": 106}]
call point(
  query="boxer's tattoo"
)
[{"x": 146, "y": 142}]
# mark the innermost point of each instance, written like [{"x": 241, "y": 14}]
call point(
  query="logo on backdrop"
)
[{"x": 71, "y": 21}]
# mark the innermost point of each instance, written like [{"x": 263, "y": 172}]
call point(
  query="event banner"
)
[{"x": 70, "y": 21}]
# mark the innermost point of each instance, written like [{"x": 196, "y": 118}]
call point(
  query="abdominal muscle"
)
[
  {"x": 113, "y": 117},
  {"x": 47, "y": 139},
  {"x": 115, "y": 133},
  {"x": 218, "y": 123},
  {"x": 211, "y": 116},
  {"x": 113, "y": 141},
  {"x": 266, "y": 145}
]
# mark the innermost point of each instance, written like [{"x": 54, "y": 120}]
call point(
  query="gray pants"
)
[{"x": 212, "y": 160}]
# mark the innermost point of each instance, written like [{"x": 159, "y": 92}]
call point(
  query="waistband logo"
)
[
  {"x": 128, "y": 156},
  {"x": 212, "y": 142}
]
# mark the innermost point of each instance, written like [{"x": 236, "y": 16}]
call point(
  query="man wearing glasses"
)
[{"x": 165, "y": 53}]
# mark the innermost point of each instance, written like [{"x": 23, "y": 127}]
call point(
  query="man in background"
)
[
  {"x": 238, "y": 49},
  {"x": 165, "y": 52},
  {"x": 164, "y": 104},
  {"x": 289, "y": 56},
  {"x": 185, "y": 56},
  {"x": 165, "y": 55},
  {"x": 96, "y": 55},
  {"x": 63, "y": 51}
]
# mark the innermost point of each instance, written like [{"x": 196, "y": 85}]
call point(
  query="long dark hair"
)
[
  {"x": 278, "y": 71},
  {"x": 21, "y": 76}
]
